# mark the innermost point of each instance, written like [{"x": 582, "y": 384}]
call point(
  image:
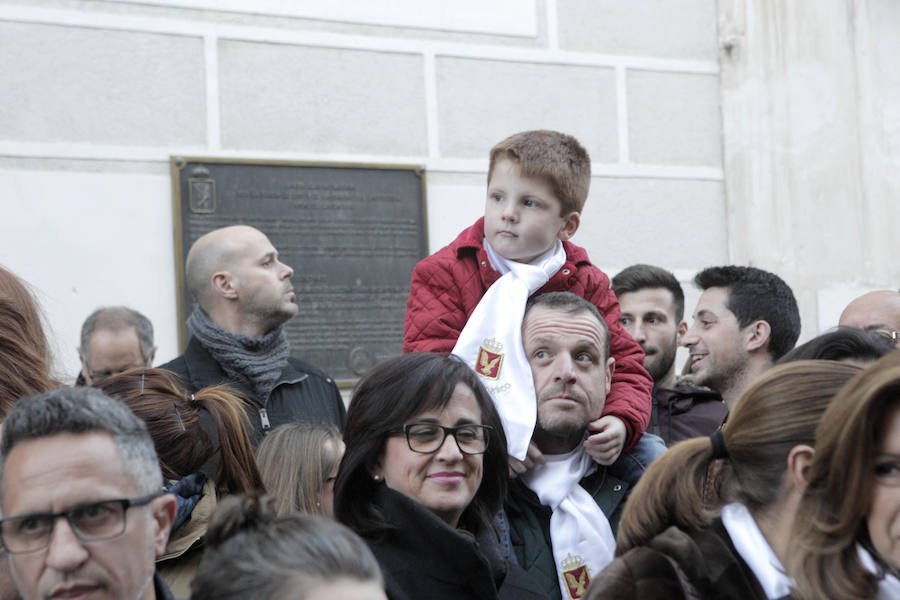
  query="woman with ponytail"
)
[
  {"x": 198, "y": 468},
  {"x": 710, "y": 517}
]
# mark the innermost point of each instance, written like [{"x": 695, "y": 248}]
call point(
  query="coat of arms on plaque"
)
[{"x": 201, "y": 192}]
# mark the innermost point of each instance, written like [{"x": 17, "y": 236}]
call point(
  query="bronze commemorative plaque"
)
[{"x": 352, "y": 234}]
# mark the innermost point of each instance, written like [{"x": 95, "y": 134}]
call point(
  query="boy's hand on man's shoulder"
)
[{"x": 607, "y": 439}]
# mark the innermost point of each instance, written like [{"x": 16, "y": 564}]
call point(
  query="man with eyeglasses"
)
[
  {"x": 563, "y": 513},
  {"x": 114, "y": 339},
  {"x": 83, "y": 511},
  {"x": 878, "y": 312}
]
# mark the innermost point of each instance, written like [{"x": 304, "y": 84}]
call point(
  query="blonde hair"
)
[
  {"x": 555, "y": 157},
  {"x": 295, "y": 460},
  {"x": 688, "y": 484},
  {"x": 831, "y": 518}
]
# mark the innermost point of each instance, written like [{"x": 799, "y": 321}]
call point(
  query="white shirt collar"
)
[{"x": 750, "y": 543}]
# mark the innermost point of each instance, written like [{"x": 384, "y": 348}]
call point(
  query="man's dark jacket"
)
[
  {"x": 529, "y": 524},
  {"x": 303, "y": 393},
  {"x": 685, "y": 412}
]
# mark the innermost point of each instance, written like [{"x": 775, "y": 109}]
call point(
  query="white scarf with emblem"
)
[
  {"x": 579, "y": 531},
  {"x": 491, "y": 341}
]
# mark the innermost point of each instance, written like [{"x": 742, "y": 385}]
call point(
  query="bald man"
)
[
  {"x": 244, "y": 296},
  {"x": 877, "y": 311}
]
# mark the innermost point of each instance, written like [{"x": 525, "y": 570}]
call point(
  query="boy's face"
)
[{"x": 522, "y": 216}]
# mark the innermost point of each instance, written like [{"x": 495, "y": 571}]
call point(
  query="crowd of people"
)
[{"x": 581, "y": 463}]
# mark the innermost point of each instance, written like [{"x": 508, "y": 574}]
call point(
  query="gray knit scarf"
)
[{"x": 254, "y": 363}]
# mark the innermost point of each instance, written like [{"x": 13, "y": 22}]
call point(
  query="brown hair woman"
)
[
  {"x": 196, "y": 436},
  {"x": 846, "y": 536},
  {"x": 24, "y": 354},
  {"x": 710, "y": 517},
  {"x": 299, "y": 463}
]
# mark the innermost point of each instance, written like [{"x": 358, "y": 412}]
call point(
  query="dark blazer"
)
[{"x": 303, "y": 392}]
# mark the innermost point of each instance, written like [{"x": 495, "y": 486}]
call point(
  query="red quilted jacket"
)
[{"x": 447, "y": 286}]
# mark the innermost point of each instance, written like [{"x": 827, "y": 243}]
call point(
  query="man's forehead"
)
[
  {"x": 875, "y": 310},
  {"x": 54, "y": 466},
  {"x": 713, "y": 301},
  {"x": 648, "y": 300},
  {"x": 545, "y": 323}
]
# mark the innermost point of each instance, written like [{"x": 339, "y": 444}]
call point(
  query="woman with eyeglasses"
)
[
  {"x": 424, "y": 473},
  {"x": 846, "y": 535}
]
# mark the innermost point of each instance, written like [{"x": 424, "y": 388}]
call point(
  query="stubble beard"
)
[{"x": 660, "y": 365}]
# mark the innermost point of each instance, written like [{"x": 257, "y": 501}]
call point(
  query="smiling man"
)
[
  {"x": 84, "y": 515},
  {"x": 745, "y": 320},
  {"x": 244, "y": 296},
  {"x": 652, "y": 303},
  {"x": 563, "y": 513}
]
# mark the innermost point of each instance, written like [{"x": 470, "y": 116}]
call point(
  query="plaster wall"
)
[{"x": 97, "y": 95}]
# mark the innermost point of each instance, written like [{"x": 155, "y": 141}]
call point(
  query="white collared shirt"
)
[{"x": 750, "y": 543}]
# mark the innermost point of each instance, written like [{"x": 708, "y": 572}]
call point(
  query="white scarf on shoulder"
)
[
  {"x": 491, "y": 341},
  {"x": 579, "y": 531},
  {"x": 889, "y": 585},
  {"x": 750, "y": 543}
]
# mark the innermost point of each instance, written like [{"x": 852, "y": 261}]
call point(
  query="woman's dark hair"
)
[
  {"x": 390, "y": 395},
  {"x": 690, "y": 482},
  {"x": 251, "y": 553},
  {"x": 173, "y": 417},
  {"x": 844, "y": 343},
  {"x": 830, "y": 522},
  {"x": 24, "y": 353}
]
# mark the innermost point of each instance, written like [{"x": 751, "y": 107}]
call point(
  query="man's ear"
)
[
  {"x": 162, "y": 511},
  {"x": 85, "y": 372},
  {"x": 152, "y": 356},
  {"x": 610, "y": 369},
  {"x": 799, "y": 461},
  {"x": 680, "y": 331},
  {"x": 570, "y": 226},
  {"x": 758, "y": 334},
  {"x": 223, "y": 285}
]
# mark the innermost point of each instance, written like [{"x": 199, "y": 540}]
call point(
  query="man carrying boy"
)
[{"x": 470, "y": 296}]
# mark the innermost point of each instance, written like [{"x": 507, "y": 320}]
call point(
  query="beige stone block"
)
[
  {"x": 305, "y": 99},
  {"x": 455, "y": 201},
  {"x": 72, "y": 84},
  {"x": 481, "y": 102},
  {"x": 684, "y": 29},
  {"x": 672, "y": 223},
  {"x": 674, "y": 118}
]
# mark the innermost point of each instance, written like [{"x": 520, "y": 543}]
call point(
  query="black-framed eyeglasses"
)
[
  {"x": 91, "y": 522},
  {"x": 427, "y": 438}
]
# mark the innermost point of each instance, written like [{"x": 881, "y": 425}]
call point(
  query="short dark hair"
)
[
  {"x": 844, "y": 343},
  {"x": 555, "y": 157},
  {"x": 757, "y": 295},
  {"x": 389, "y": 395},
  {"x": 640, "y": 277},
  {"x": 252, "y": 554},
  {"x": 82, "y": 410},
  {"x": 117, "y": 318},
  {"x": 571, "y": 304}
]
